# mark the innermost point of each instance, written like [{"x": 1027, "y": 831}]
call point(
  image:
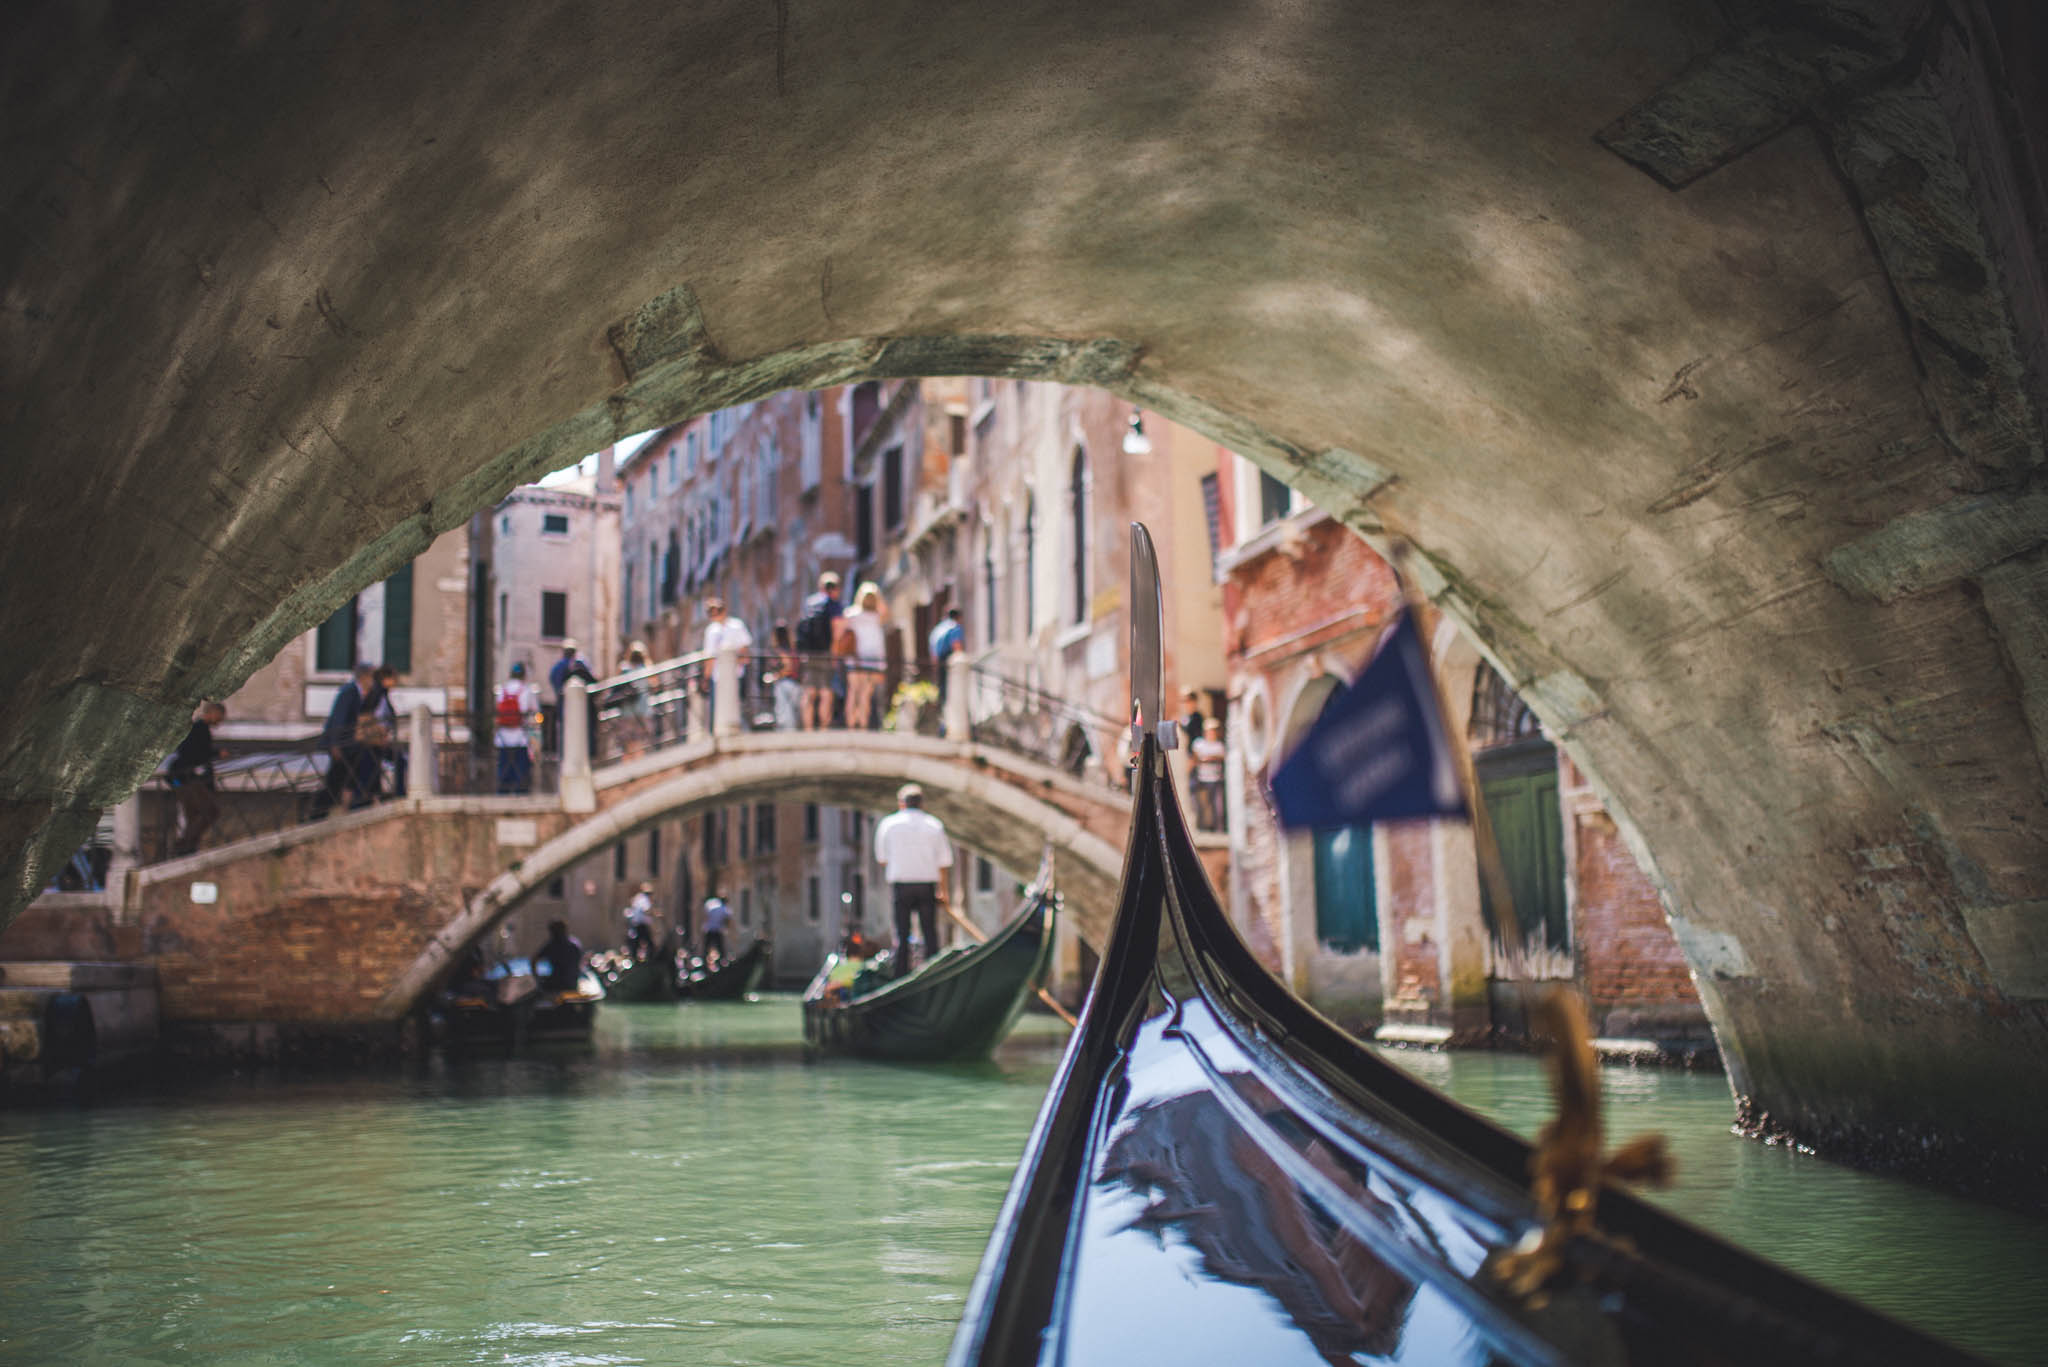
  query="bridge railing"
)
[
  {"x": 259, "y": 790},
  {"x": 1017, "y": 715},
  {"x": 650, "y": 709},
  {"x": 677, "y": 701}
]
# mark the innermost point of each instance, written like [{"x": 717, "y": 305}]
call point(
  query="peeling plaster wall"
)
[{"x": 290, "y": 289}]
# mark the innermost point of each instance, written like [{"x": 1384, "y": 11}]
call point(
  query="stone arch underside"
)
[
  {"x": 1701, "y": 363},
  {"x": 987, "y": 813}
]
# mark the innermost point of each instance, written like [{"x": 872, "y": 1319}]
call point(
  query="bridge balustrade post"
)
[
  {"x": 725, "y": 693},
  {"x": 958, "y": 722},
  {"x": 422, "y": 765},
  {"x": 127, "y": 852},
  {"x": 579, "y": 791}
]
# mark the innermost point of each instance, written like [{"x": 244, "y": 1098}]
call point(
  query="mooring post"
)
[
  {"x": 959, "y": 726},
  {"x": 127, "y": 853},
  {"x": 579, "y": 792},
  {"x": 422, "y": 765},
  {"x": 725, "y": 692}
]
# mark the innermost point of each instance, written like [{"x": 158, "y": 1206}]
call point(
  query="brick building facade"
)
[{"x": 1386, "y": 927}]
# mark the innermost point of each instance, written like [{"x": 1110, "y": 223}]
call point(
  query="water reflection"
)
[
  {"x": 1205, "y": 1179},
  {"x": 688, "y": 1189}
]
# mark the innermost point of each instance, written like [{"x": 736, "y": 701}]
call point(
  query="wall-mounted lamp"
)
[{"x": 1136, "y": 443}]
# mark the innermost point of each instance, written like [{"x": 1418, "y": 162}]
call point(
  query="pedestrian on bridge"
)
[
  {"x": 721, "y": 633},
  {"x": 570, "y": 666},
  {"x": 816, "y": 632},
  {"x": 863, "y": 641},
  {"x": 947, "y": 637},
  {"x": 914, "y": 851},
  {"x": 351, "y": 765},
  {"x": 191, "y": 778},
  {"x": 516, "y": 703}
]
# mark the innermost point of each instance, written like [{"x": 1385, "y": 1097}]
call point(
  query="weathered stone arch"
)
[
  {"x": 991, "y": 815},
  {"x": 1703, "y": 359}
]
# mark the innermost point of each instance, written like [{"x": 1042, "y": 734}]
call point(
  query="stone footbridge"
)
[{"x": 348, "y": 922}]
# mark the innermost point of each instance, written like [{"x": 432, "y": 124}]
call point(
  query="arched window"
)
[
  {"x": 1499, "y": 716},
  {"x": 1077, "y": 496}
]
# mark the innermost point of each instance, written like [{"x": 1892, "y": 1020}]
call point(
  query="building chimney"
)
[{"x": 604, "y": 470}]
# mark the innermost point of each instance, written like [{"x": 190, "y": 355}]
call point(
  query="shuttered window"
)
[
  {"x": 1275, "y": 498},
  {"x": 398, "y": 621},
  {"x": 334, "y": 644},
  {"x": 1212, "y": 509}
]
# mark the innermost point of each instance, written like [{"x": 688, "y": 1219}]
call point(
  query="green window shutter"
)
[
  {"x": 334, "y": 644},
  {"x": 398, "y": 621},
  {"x": 1529, "y": 833},
  {"x": 1347, "y": 917}
]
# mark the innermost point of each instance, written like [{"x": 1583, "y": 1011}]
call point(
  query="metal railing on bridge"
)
[
  {"x": 278, "y": 785},
  {"x": 269, "y": 786},
  {"x": 676, "y": 701}
]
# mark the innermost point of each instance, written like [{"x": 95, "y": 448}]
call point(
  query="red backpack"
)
[{"x": 510, "y": 714}]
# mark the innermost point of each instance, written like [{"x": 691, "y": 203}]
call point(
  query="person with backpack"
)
[
  {"x": 815, "y": 631},
  {"x": 516, "y": 702},
  {"x": 947, "y": 637}
]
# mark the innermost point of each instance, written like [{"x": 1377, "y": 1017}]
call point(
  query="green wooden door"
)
[
  {"x": 1530, "y": 834},
  {"x": 1346, "y": 917}
]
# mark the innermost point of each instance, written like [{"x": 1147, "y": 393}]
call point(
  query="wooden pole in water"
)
[{"x": 980, "y": 935}]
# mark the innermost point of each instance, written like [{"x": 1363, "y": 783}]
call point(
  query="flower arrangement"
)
[{"x": 914, "y": 707}]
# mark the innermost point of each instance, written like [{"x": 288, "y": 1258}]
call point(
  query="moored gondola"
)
[
  {"x": 506, "y": 1008},
  {"x": 730, "y": 979},
  {"x": 958, "y": 1006},
  {"x": 626, "y": 979},
  {"x": 1219, "y": 1174}
]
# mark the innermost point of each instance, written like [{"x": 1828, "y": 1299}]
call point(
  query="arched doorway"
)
[
  {"x": 1330, "y": 892},
  {"x": 1516, "y": 765}
]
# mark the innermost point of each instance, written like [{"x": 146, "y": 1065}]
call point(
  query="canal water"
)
[{"x": 688, "y": 1189}]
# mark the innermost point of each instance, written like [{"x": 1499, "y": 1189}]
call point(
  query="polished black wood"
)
[
  {"x": 479, "y": 1019},
  {"x": 958, "y": 1006},
  {"x": 732, "y": 979},
  {"x": 1219, "y": 1174},
  {"x": 653, "y": 979}
]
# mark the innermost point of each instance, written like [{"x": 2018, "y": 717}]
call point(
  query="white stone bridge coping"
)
[{"x": 999, "y": 803}]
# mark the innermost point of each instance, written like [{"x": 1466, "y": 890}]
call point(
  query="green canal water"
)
[{"x": 688, "y": 1189}]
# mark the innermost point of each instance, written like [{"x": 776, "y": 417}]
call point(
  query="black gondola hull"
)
[
  {"x": 1221, "y": 1175},
  {"x": 544, "y": 1016},
  {"x": 958, "y": 1007},
  {"x": 642, "y": 980},
  {"x": 732, "y": 979}
]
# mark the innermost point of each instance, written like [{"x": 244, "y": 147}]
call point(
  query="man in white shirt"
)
[
  {"x": 914, "y": 853},
  {"x": 722, "y": 633}
]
